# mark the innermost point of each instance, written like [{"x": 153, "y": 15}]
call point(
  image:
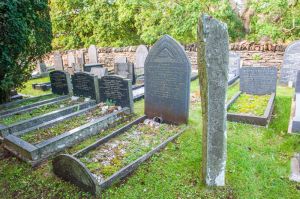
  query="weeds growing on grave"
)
[{"x": 250, "y": 104}]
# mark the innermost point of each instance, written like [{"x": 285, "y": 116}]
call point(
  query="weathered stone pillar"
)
[{"x": 213, "y": 58}]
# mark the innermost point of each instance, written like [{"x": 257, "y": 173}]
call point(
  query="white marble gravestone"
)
[
  {"x": 140, "y": 57},
  {"x": 93, "y": 54},
  {"x": 58, "y": 62}
]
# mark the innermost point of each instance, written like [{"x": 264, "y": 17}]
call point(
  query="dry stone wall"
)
[{"x": 252, "y": 54}]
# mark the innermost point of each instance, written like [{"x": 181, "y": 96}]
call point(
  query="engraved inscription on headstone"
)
[
  {"x": 93, "y": 54},
  {"x": 99, "y": 72},
  {"x": 213, "y": 59},
  {"x": 125, "y": 70},
  {"x": 85, "y": 85},
  {"x": 117, "y": 90},
  {"x": 167, "y": 81},
  {"x": 60, "y": 82},
  {"x": 140, "y": 57},
  {"x": 291, "y": 63},
  {"x": 234, "y": 64},
  {"x": 258, "y": 80},
  {"x": 58, "y": 62}
]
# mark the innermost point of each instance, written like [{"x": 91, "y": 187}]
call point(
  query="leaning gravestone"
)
[
  {"x": 258, "y": 80},
  {"x": 125, "y": 70},
  {"x": 167, "y": 82},
  {"x": 58, "y": 62},
  {"x": 291, "y": 64},
  {"x": 99, "y": 72},
  {"x": 140, "y": 57},
  {"x": 93, "y": 54},
  {"x": 60, "y": 82},
  {"x": 116, "y": 89},
  {"x": 85, "y": 85},
  {"x": 213, "y": 58}
]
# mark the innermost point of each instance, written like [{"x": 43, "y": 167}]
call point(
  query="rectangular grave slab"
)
[
  {"x": 99, "y": 72},
  {"x": 92, "y": 55},
  {"x": 60, "y": 83},
  {"x": 140, "y": 57},
  {"x": 70, "y": 168},
  {"x": 167, "y": 81},
  {"x": 117, "y": 90},
  {"x": 250, "y": 119},
  {"x": 35, "y": 154},
  {"x": 36, "y": 104},
  {"x": 88, "y": 67},
  {"x": 258, "y": 80},
  {"x": 25, "y": 124},
  {"x": 58, "y": 62},
  {"x": 85, "y": 85},
  {"x": 42, "y": 86}
]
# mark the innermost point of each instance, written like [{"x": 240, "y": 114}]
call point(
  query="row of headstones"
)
[{"x": 110, "y": 88}]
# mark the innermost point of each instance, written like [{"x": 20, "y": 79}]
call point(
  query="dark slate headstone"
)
[
  {"x": 213, "y": 59},
  {"x": 167, "y": 81},
  {"x": 140, "y": 57},
  {"x": 58, "y": 62},
  {"x": 93, "y": 54},
  {"x": 125, "y": 70},
  {"x": 85, "y": 85},
  {"x": 234, "y": 64},
  {"x": 116, "y": 89},
  {"x": 60, "y": 82},
  {"x": 297, "y": 86},
  {"x": 291, "y": 63},
  {"x": 258, "y": 80}
]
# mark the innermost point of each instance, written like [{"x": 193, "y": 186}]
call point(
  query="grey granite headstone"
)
[
  {"x": 258, "y": 80},
  {"x": 116, "y": 89},
  {"x": 60, "y": 82},
  {"x": 140, "y": 57},
  {"x": 121, "y": 60},
  {"x": 79, "y": 61},
  {"x": 58, "y": 62},
  {"x": 125, "y": 70},
  {"x": 213, "y": 59},
  {"x": 291, "y": 63},
  {"x": 41, "y": 66},
  {"x": 297, "y": 85},
  {"x": 85, "y": 85},
  {"x": 99, "y": 72},
  {"x": 234, "y": 64},
  {"x": 93, "y": 54},
  {"x": 167, "y": 81},
  {"x": 71, "y": 59}
]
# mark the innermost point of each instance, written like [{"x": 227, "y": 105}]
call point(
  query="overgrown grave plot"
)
[
  {"x": 65, "y": 101},
  {"x": 254, "y": 103},
  {"x": 40, "y": 142},
  {"x": 118, "y": 154},
  {"x": 26, "y": 103}
]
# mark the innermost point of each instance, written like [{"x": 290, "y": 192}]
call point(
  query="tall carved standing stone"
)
[{"x": 213, "y": 58}]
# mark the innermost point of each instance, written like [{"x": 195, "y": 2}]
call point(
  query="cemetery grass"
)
[
  {"x": 28, "y": 90},
  {"x": 258, "y": 164}
]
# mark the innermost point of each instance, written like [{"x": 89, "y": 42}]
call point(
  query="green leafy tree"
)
[{"x": 25, "y": 35}]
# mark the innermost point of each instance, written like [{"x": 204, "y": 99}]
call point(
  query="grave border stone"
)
[
  {"x": 35, "y": 154},
  {"x": 251, "y": 119},
  {"x": 35, "y": 121},
  {"x": 63, "y": 161}
]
